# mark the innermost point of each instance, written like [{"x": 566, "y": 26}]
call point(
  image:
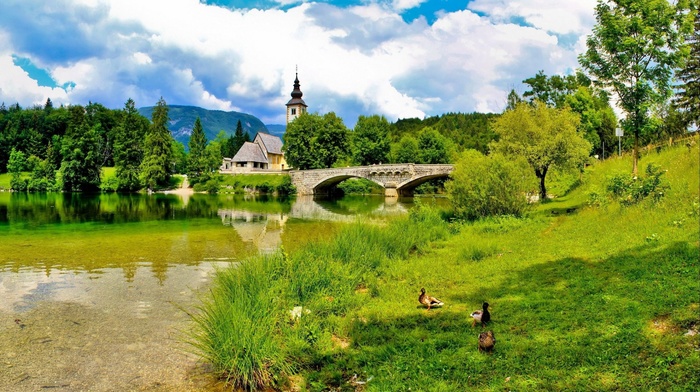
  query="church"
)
[{"x": 264, "y": 153}]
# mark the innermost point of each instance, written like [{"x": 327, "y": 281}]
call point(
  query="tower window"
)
[{"x": 294, "y": 111}]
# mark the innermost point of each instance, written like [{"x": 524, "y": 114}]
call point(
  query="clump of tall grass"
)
[{"x": 237, "y": 328}]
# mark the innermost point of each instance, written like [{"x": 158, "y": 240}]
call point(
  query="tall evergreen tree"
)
[
  {"x": 128, "y": 148},
  {"x": 688, "y": 98},
  {"x": 198, "y": 161},
  {"x": 82, "y": 158},
  {"x": 157, "y": 162}
]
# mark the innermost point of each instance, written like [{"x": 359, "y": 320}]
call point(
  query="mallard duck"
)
[
  {"x": 483, "y": 316},
  {"x": 486, "y": 341},
  {"x": 427, "y": 300}
]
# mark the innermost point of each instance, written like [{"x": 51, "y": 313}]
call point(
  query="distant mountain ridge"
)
[{"x": 213, "y": 121}]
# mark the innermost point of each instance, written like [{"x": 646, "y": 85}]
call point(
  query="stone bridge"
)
[{"x": 396, "y": 179}]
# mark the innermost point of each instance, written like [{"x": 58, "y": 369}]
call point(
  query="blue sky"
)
[{"x": 397, "y": 58}]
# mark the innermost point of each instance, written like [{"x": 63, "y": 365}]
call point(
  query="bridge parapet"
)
[{"x": 394, "y": 178}]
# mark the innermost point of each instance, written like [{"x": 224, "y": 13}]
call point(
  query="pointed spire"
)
[{"x": 296, "y": 93}]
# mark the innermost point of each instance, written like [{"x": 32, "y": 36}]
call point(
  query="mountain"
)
[
  {"x": 276, "y": 129},
  {"x": 213, "y": 121}
]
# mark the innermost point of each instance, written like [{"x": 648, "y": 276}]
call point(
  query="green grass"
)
[
  {"x": 583, "y": 297},
  {"x": 5, "y": 181}
]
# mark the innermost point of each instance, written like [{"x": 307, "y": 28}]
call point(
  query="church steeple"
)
[{"x": 296, "y": 106}]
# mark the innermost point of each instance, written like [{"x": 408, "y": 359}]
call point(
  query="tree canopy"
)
[
  {"x": 370, "y": 140},
  {"x": 544, "y": 136},
  {"x": 157, "y": 162},
  {"x": 632, "y": 51}
]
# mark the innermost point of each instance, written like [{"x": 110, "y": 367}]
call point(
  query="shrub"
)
[
  {"x": 358, "y": 186},
  {"x": 109, "y": 184},
  {"x": 484, "y": 186},
  {"x": 629, "y": 190}
]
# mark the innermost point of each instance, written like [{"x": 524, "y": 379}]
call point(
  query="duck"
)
[
  {"x": 483, "y": 316},
  {"x": 427, "y": 300},
  {"x": 487, "y": 341}
]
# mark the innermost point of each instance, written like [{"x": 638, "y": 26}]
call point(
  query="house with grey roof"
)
[{"x": 264, "y": 153}]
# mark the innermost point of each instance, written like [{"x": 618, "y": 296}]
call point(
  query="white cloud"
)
[
  {"x": 557, "y": 16},
  {"x": 359, "y": 60}
]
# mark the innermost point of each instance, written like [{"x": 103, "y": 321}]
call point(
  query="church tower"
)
[{"x": 296, "y": 106}]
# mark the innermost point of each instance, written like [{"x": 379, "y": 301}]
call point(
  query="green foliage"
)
[
  {"x": 359, "y": 186},
  {"x": 433, "y": 148},
  {"x": 630, "y": 190},
  {"x": 543, "y": 136},
  {"x": 82, "y": 158},
  {"x": 483, "y": 186},
  {"x": 314, "y": 142},
  {"x": 597, "y": 119},
  {"x": 198, "y": 161},
  {"x": 688, "y": 95},
  {"x": 263, "y": 183},
  {"x": 180, "y": 160},
  {"x": 157, "y": 162},
  {"x": 235, "y": 142},
  {"x": 406, "y": 151},
  {"x": 370, "y": 140},
  {"x": 554, "y": 90},
  {"x": 464, "y": 130},
  {"x": 128, "y": 148},
  {"x": 633, "y": 51}
]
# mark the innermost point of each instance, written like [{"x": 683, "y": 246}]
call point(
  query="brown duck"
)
[
  {"x": 486, "y": 341},
  {"x": 428, "y": 301}
]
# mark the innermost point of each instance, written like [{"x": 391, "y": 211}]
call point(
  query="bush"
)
[
  {"x": 109, "y": 184},
  {"x": 484, "y": 186},
  {"x": 358, "y": 186},
  {"x": 629, "y": 190}
]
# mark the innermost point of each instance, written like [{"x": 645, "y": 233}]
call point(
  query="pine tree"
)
[
  {"x": 157, "y": 161},
  {"x": 82, "y": 159},
  {"x": 198, "y": 160},
  {"x": 128, "y": 148},
  {"x": 688, "y": 98}
]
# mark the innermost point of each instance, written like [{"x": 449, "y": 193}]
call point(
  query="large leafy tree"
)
[
  {"x": 688, "y": 97},
  {"x": 128, "y": 147},
  {"x": 157, "y": 161},
  {"x": 433, "y": 148},
  {"x": 300, "y": 142},
  {"x": 312, "y": 141},
  {"x": 544, "y": 136},
  {"x": 598, "y": 121},
  {"x": 198, "y": 161},
  {"x": 632, "y": 52},
  {"x": 553, "y": 90},
  {"x": 331, "y": 140},
  {"x": 406, "y": 150},
  {"x": 370, "y": 140}
]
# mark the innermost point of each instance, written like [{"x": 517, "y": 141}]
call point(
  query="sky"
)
[{"x": 396, "y": 58}]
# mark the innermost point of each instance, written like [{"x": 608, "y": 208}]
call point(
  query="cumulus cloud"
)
[{"x": 352, "y": 60}]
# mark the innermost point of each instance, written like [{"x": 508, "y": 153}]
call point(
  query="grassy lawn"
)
[{"x": 582, "y": 297}]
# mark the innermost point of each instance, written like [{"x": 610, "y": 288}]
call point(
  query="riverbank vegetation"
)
[{"x": 587, "y": 292}]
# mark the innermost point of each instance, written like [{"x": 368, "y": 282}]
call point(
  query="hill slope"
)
[{"x": 213, "y": 121}]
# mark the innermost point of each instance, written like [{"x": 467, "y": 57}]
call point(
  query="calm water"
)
[{"x": 94, "y": 289}]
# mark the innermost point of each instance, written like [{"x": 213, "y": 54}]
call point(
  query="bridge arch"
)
[{"x": 394, "y": 178}]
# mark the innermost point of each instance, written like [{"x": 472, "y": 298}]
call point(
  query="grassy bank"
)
[{"x": 586, "y": 294}]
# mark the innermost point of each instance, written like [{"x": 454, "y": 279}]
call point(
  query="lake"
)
[{"x": 95, "y": 289}]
